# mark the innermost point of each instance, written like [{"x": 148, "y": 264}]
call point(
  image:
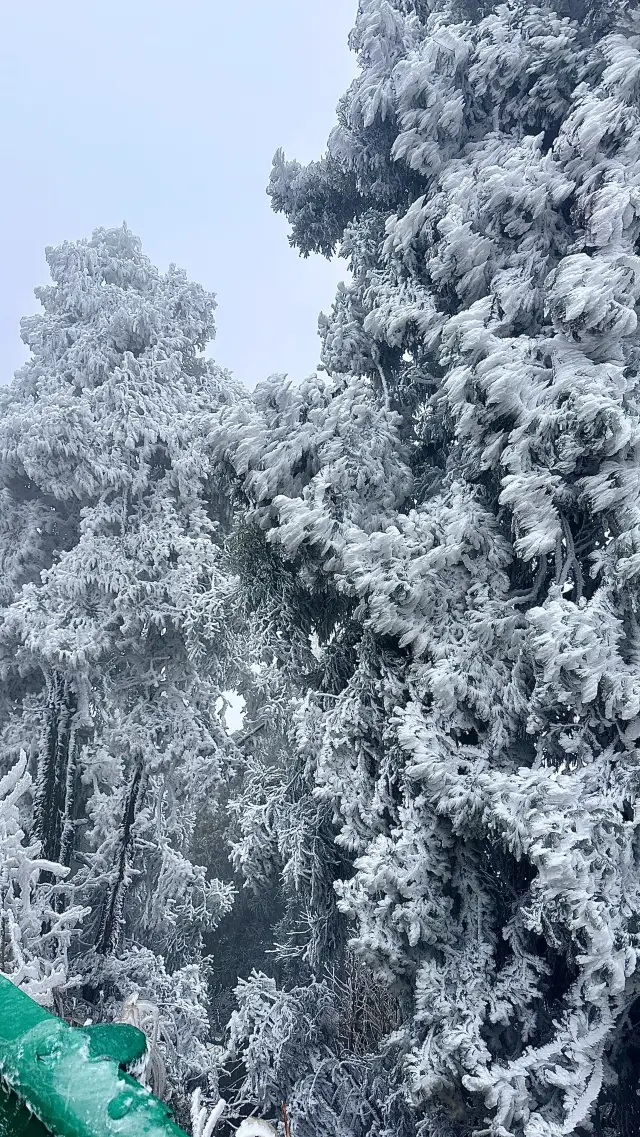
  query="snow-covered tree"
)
[
  {"x": 37, "y": 917},
  {"x": 116, "y": 622},
  {"x": 305, "y": 1049},
  {"x": 455, "y": 509}
]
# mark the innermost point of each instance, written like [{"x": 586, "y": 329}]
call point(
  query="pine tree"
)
[
  {"x": 115, "y": 637},
  {"x": 464, "y": 481}
]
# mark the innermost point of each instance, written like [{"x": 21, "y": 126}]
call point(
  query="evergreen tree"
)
[
  {"x": 460, "y": 492},
  {"x": 114, "y": 642}
]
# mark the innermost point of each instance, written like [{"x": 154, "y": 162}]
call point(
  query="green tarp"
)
[{"x": 72, "y": 1079}]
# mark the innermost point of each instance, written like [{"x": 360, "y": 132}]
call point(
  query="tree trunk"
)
[
  {"x": 110, "y": 931},
  {"x": 56, "y": 772}
]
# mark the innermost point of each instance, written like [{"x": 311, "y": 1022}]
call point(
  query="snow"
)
[{"x": 387, "y": 615}]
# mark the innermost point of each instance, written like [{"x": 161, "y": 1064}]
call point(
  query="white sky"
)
[{"x": 166, "y": 114}]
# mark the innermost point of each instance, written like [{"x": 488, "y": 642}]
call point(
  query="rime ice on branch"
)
[
  {"x": 115, "y": 621},
  {"x": 461, "y": 488}
]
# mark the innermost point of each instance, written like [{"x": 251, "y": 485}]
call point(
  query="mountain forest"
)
[{"x": 402, "y": 898}]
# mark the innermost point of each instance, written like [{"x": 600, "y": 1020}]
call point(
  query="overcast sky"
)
[{"x": 166, "y": 114}]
